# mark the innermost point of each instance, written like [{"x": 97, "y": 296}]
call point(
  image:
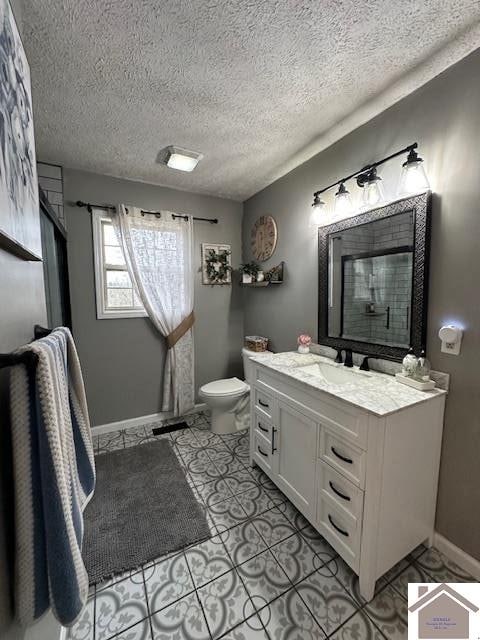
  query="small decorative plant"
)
[
  {"x": 304, "y": 341},
  {"x": 217, "y": 266},
  {"x": 249, "y": 271},
  {"x": 250, "y": 268}
]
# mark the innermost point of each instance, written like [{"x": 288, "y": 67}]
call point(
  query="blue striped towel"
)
[{"x": 54, "y": 474}]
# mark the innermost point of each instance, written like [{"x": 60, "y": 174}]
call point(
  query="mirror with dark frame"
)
[{"x": 373, "y": 279}]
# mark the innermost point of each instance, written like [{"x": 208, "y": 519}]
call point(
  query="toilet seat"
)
[{"x": 224, "y": 388}]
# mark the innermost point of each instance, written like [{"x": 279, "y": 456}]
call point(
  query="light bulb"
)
[
  {"x": 343, "y": 202},
  {"x": 414, "y": 178},
  {"x": 373, "y": 193},
  {"x": 319, "y": 209}
]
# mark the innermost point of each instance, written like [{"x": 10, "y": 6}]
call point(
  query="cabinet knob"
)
[
  {"x": 263, "y": 404},
  {"x": 265, "y": 455}
]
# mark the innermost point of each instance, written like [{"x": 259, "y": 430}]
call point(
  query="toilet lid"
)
[{"x": 226, "y": 387}]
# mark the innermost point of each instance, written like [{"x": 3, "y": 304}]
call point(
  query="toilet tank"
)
[{"x": 247, "y": 365}]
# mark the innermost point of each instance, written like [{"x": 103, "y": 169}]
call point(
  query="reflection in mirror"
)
[{"x": 370, "y": 281}]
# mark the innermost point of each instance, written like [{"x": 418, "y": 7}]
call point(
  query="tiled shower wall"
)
[
  {"x": 393, "y": 280},
  {"x": 394, "y": 291},
  {"x": 50, "y": 178}
]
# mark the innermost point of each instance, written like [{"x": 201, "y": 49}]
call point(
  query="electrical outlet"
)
[{"x": 451, "y": 338}]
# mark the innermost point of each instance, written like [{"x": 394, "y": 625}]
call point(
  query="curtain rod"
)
[{"x": 110, "y": 207}]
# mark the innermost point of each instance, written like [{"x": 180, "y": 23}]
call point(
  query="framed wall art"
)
[
  {"x": 19, "y": 208},
  {"x": 216, "y": 263}
]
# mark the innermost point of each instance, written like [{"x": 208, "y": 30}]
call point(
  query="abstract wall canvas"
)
[{"x": 19, "y": 212}]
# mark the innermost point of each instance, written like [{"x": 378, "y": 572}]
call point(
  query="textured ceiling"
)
[{"x": 257, "y": 86}]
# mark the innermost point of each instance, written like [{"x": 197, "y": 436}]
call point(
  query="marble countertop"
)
[{"x": 378, "y": 393}]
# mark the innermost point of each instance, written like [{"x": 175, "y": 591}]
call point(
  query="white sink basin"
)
[{"x": 337, "y": 375}]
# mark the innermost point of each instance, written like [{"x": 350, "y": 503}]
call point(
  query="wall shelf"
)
[{"x": 274, "y": 272}]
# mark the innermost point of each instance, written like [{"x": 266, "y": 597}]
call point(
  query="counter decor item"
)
[
  {"x": 416, "y": 372},
  {"x": 256, "y": 343},
  {"x": 216, "y": 264},
  {"x": 420, "y": 385},
  {"x": 422, "y": 372},
  {"x": 304, "y": 341},
  {"x": 264, "y": 238},
  {"x": 409, "y": 364},
  {"x": 275, "y": 274}
]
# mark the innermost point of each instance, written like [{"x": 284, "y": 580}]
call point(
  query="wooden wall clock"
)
[{"x": 264, "y": 238}]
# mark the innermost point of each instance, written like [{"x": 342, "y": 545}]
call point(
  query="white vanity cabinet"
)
[{"x": 366, "y": 482}]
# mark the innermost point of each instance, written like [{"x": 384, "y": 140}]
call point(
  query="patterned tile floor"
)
[{"x": 265, "y": 573}]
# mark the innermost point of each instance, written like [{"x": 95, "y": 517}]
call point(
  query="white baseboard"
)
[
  {"x": 138, "y": 422},
  {"x": 46, "y": 628},
  {"x": 460, "y": 557}
]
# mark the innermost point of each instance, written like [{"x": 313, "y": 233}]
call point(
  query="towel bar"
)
[{"x": 27, "y": 357}]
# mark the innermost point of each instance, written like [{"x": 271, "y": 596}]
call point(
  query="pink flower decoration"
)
[{"x": 304, "y": 340}]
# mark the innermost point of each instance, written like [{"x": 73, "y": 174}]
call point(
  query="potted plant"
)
[{"x": 249, "y": 272}]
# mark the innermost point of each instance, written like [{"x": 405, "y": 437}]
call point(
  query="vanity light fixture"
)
[
  {"x": 373, "y": 193},
  {"x": 343, "y": 202},
  {"x": 181, "y": 159},
  {"x": 414, "y": 180},
  {"x": 319, "y": 209}
]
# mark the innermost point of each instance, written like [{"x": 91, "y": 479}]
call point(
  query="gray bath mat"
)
[{"x": 142, "y": 508}]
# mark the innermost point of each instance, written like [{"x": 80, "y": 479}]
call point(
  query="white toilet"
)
[{"x": 223, "y": 396}]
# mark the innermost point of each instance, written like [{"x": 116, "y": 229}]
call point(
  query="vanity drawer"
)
[
  {"x": 263, "y": 403},
  {"x": 263, "y": 426},
  {"x": 262, "y": 452},
  {"x": 344, "y": 494},
  {"x": 343, "y": 457},
  {"x": 340, "y": 529}
]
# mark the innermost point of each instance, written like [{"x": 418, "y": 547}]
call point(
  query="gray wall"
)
[
  {"x": 123, "y": 359},
  {"x": 22, "y": 306},
  {"x": 444, "y": 116}
]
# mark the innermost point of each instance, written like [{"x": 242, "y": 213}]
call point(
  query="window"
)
[{"x": 116, "y": 295}]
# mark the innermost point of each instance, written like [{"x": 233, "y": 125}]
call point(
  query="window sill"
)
[{"x": 114, "y": 315}]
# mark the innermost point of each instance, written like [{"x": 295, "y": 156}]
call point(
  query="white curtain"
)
[{"x": 159, "y": 256}]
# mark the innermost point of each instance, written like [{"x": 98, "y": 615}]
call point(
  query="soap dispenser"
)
[
  {"x": 423, "y": 368},
  {"x": 410, "y": 364}
]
